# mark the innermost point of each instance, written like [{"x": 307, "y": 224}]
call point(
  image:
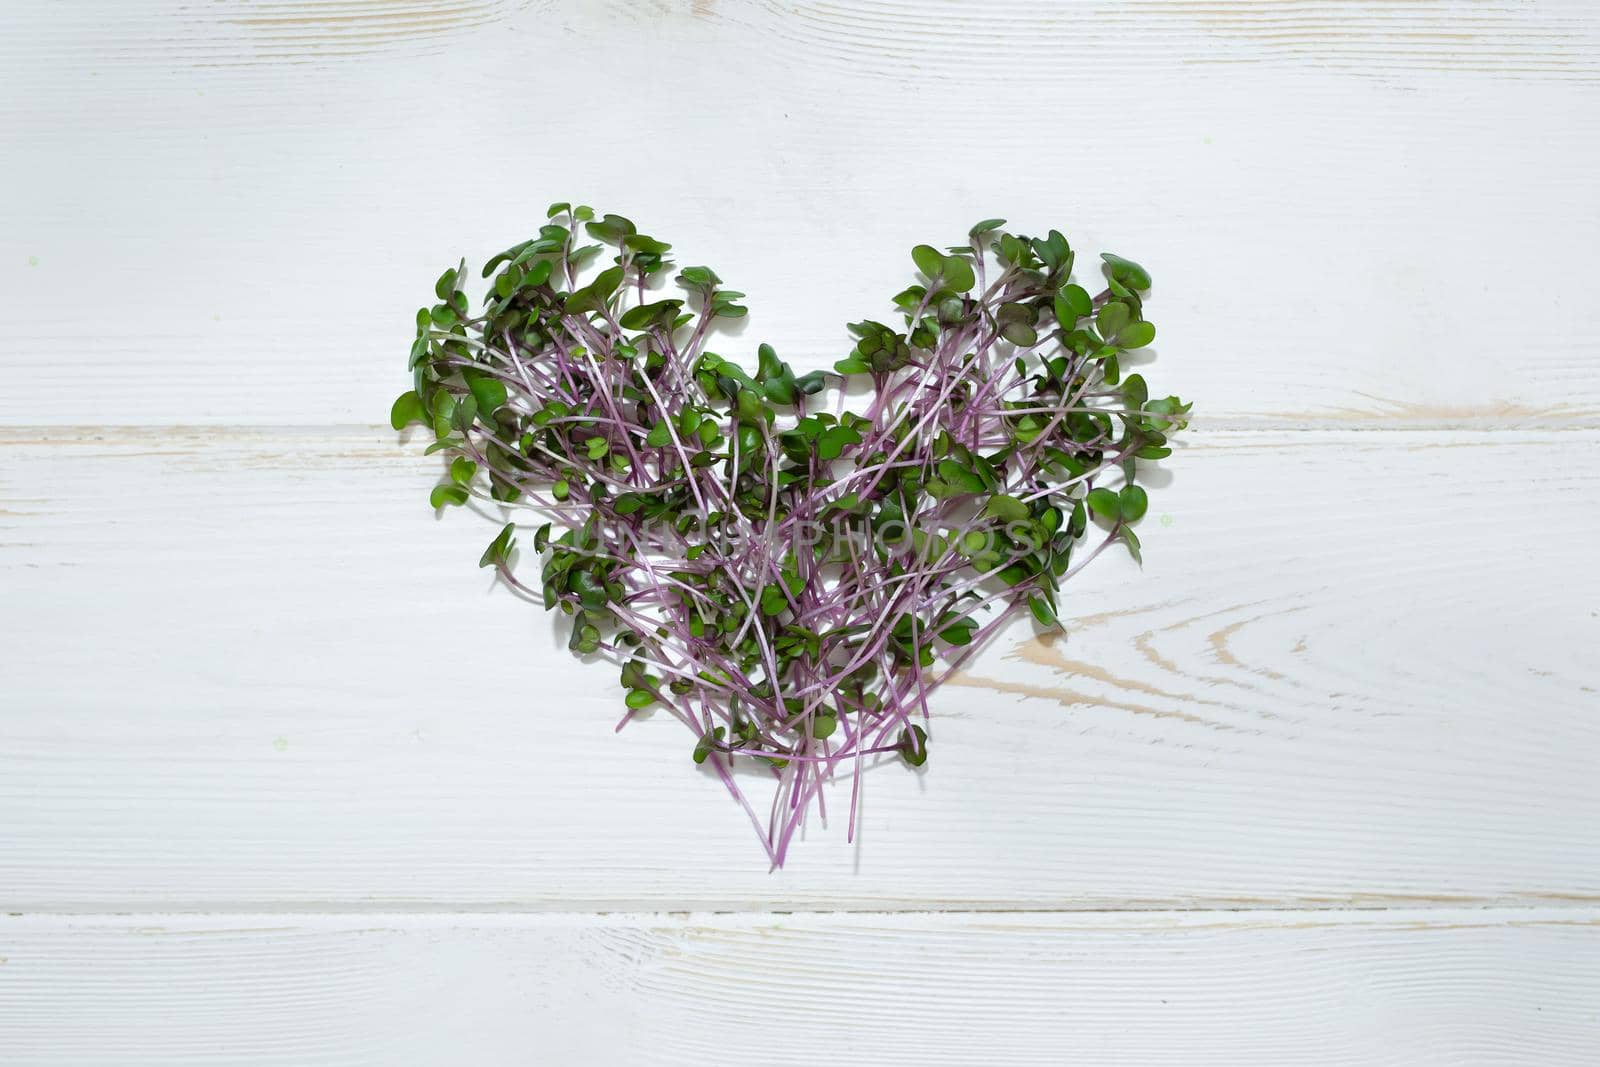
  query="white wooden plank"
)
[
  {"x": 248, "y": 670},
  {"x": 1462, "y": 988},
  {"x": 1358, "y": 213}
]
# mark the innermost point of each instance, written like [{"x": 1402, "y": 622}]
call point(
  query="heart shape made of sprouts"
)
[{"x": 787, "y": 576}]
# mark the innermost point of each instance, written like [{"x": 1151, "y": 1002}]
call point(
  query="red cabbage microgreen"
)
[{"x": 786, "y": 576}]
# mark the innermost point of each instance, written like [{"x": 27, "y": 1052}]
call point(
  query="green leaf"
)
[
  {"x": 641, "y": 698},
  {"x": 959, "y": 477},
  {"x": 1006, "y": 508},
  {"x": 698, "y": 278},
  {"x": 1112, "y": 318},
  {"x": 1016, "y": 573},
  {"x": 748, "y": 405},
  {"x": 538, "y": 274},
  {"x": 811, "y": 383},
  {"x": 1054, "y": 252},
  {"x": 462, "y": 470},
  {"x": 709, "y": 742},
  {"x": 1127, "y": 271},
  {"x": 500, "y": 548},
  {"x": 593, "y": 296},
  {"x": 661, "y": 313},
  {"x": 445, "y": 285},
  {"x": 447, "y": 495},
  {"x": 1012, "y": 249},
  {"x": 959, "y": 633},
  {"x": 823, "y": 724},
  {"x": 985, "y": 226},
  {"x": 1170, "y": 412},
  {"x": 1134, "y": 391},
  {"x": 406, "y": 410},
  {"x": 1106, "y": 504},
  {"x": 929, "y": 260},
  {"x": 607, "y": 281},
  {"x": 1020, "y": 334},
  {"x": 723, "y": 306},
  {"x": 1015, "y": 312},
  {"x": 638, "y": 242},
  {"x": 1071, "y": 304},
  {"x": 768, "y": 365},
  {"x": 958, "y": 274},
  {"x": 490, "y": 393},
  {"x": 592, "y": 593},
  {"x": 1131, "y": 539},
  {"x": 913, "y": 746},
  {"x": 612, "y": 229},
  {"x": 464, "y": 414},
  {"x": 834, "y": 439},
  {"x": 1134, "y": 502},
  {"x": 1079, "y": 521},
  {"x": 1136, "y": 334},
  {"x": 585, "y": 639},
  {"x": 1042, "y": 611},
  {"x": 633, "y": 676}
]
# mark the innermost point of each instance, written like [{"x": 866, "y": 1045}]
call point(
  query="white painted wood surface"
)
[
  {"x": 255, "y": 807},
  {"x": 1325, "y": 686},
  {"x": 1356, "y": 213},
  {"x": 1360, "y": 989}
]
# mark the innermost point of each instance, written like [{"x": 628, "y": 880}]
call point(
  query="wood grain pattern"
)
[
  {"x": 1465, "y": 988},
  {"x": 1396, "y": 41},
  {"x": 201, "y": 230},
  {"x": 1357, "y": 669},
  {"x": 1344, "y": 722}
]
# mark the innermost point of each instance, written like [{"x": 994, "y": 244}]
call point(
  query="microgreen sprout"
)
[{"x": 787, "y": 577}]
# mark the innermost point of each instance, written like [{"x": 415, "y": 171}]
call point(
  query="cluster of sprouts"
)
[{"x": 788, "y": 577}]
